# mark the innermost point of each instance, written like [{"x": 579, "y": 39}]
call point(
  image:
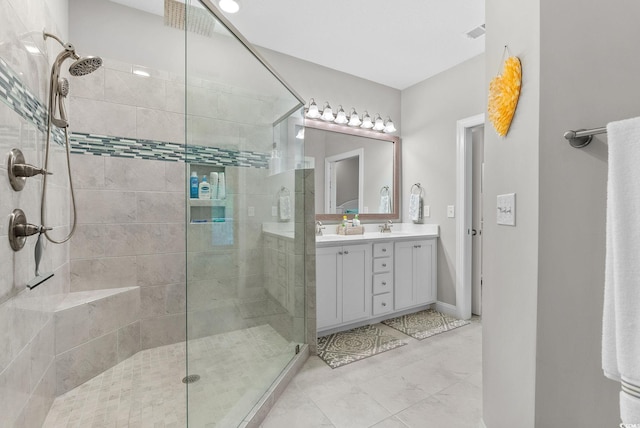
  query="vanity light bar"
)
[{"x": 353, "y": 119}]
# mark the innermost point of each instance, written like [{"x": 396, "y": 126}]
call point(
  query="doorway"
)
[
  {"x": 464, "y": 223},
  {"x": 477, "y": 180},
  {"x": 344, "y": 181}
]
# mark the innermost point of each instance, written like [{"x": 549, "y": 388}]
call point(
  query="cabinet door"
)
[
  {"x": 423, "y": 268},
  {"x": 356, "y": 282},
  {"x": 404, "y": 293},
  {"x": 328, "y": 291}
]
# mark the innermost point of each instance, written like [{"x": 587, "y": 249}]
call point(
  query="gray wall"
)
[
  {"x": 430, "y": 110},
  {"x": 544, "y": 278},
  {"x": 510, "y": 265},
  {"x": 584, "y": 83}
]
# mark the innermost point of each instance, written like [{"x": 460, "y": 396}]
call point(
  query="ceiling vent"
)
[{"x": 476, "y": 32}]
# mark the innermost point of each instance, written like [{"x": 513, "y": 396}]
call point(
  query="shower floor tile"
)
[{"x": 146, "y": 390}]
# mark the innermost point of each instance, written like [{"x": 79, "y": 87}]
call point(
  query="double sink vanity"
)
[{"x": 364, "y": 279}]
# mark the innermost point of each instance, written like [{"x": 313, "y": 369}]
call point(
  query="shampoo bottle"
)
[
  {"x": 193, "y": 185},
  {"x": 204, "y": 190}
]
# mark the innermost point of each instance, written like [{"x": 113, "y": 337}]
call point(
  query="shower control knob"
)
[
  {"x": 19, "y": 229},
  {"x": 18, "y": 170}
]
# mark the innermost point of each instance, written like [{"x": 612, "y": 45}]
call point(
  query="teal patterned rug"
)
[
  {"x": 423, "y": 324},
  {"x": 345, "y": 347}
]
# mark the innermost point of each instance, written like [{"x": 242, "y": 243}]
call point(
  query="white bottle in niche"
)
[
  {"x": 204, "y": 190},
  {"x": 222, "y": 186},
  {"x": 213, "y": 182}
]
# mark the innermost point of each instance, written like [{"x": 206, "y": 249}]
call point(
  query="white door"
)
[
  {"x": 477, "y": 145},
  {"x": 404, "y": 291},
  {"x": 328, "y": 291},
  {"x": 422, "y": 257},
  {"x": 356, "y": 282}
]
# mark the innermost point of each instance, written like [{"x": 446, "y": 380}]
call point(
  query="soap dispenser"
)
[{"x": 204, "y": 191}]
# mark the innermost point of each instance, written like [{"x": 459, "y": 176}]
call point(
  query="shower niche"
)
[{"x": 218, "y": 206}]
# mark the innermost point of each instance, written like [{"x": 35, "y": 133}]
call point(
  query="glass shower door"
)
[{"x": 245, "y": 224}]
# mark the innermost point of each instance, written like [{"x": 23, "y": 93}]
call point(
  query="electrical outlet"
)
[
  {"x": 274, "y": 211},
  {"x": 427, "y": 211},
  {"x": 451, "y": 211},
  {"x": 506, "y": 209},
  {"x": 251, "y": 211}
]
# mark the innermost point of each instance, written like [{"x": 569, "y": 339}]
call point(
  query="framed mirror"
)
[{"x": 357, "y": 171}]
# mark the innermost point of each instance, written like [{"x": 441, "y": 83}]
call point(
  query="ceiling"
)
[{"x": 394, "y": 43}]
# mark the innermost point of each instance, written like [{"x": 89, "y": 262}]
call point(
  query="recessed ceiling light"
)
[{"x": 229, "y": 6}]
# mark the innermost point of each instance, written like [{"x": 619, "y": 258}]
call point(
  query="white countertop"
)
[{"x": 372, "y": 233}]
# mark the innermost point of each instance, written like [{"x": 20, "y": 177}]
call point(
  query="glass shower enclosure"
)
[{"x": 245, "y": 303}]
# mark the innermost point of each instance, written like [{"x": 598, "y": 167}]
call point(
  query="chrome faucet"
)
[
  {"x": 319, "y": 228},
  {"x": 386, "y": 227}
]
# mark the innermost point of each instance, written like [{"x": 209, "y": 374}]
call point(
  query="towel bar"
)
[{"x": 583, "y": 137}]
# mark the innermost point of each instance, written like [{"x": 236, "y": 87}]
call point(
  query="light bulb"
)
[
  {"x": 313, "y": 111},
  {"x": 366, "y": 121},
  {"x": 341, "y": 117},
  {"x": 389, "y": 127},
  {"x": 327, "y": 113},
  {"x": 229, "y": 6},
  {"x": 354, "y": 119},
  {"x": 379, "y": 124}
]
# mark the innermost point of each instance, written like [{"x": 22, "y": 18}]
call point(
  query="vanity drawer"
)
[
  {"x": 382, "y": 283},
  {"x": 383, "y": 264},
  {"x": 382, "y": 303},
  {"x": 383, "y": 249}
]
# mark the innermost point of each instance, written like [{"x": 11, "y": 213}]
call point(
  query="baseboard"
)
[{"x": 447, "y": 308}]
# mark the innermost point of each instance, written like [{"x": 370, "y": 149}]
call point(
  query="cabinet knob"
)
[
  {"x": 346, "y": 252},
  {"x": 384, "y": 250},
  {"x": 340, "y": 252},
  {"x": 384, "y": 304},
  {"x": 384, "y": 265}
]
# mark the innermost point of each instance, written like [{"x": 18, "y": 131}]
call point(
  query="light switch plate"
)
[
  {"x": 427, "y": 211},
  {"x": 451, "y": 211},
  {"x": 251, "y": 211},
  {"x": 506, "y": 209}
]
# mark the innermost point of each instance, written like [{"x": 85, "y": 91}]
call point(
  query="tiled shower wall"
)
[
  {"x": 132, "y": 210},
  {"x": 27, "y": 369}
]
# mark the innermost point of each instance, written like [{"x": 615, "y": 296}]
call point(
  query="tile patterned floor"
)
[
  {"x": 432, "y": 383},
  {"x": 146, "y": 389}
]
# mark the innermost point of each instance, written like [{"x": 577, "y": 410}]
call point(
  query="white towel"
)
[
  {"x": 385, "y": 204},
  {"x": 621, "y": 317},
  {"x": 414, "y": 207},
  {"x": 284, "y": 203}
]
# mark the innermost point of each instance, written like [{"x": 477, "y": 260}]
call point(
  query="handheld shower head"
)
[
  {"x": 63, "y": 86},
  {"x": 85, "y": 65}
]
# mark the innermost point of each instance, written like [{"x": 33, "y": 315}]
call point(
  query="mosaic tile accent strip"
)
[{"x": 26, "y": 104}]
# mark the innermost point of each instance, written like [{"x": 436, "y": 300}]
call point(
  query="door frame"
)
[
  {"x": 464, "y": 163},
  {"x": 330, "y": 179}
]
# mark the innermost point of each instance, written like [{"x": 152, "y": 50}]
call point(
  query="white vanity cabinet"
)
[
  {"x": 415, "y": 273},
  {"x": 343, "y": 276}
]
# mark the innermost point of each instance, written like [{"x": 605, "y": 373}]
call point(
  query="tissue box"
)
[{"x": 350, "y": 230}]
